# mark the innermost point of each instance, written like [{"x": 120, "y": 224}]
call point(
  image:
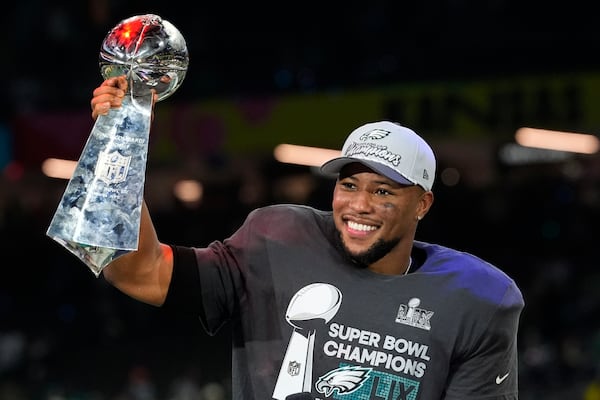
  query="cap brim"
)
[{"x": 334, "y": 166}]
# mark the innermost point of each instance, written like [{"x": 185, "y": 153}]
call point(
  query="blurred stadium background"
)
[{"x": 466, "y": 75}]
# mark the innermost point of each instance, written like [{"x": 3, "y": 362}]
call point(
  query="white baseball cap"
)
[{"x": 391, "y": 150}]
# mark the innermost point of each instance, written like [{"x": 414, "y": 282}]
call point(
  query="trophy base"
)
[{"x": 95, "y": 257}]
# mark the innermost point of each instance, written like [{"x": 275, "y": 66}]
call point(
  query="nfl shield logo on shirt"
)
[{"x": 294, "y": 368}]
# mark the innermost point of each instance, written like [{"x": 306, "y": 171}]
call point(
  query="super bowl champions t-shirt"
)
[{"x": 309, "y": 324}]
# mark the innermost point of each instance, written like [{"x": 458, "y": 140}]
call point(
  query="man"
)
[{"x": 341, "y": 304}]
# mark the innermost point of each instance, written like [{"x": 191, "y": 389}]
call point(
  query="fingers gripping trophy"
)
[{"x": 98, "y": 217}]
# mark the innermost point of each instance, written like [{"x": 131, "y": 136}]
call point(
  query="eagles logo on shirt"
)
[{"x": 343, "y": 380}]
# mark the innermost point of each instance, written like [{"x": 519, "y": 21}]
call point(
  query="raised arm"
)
[{"x": 144, "y": 274}]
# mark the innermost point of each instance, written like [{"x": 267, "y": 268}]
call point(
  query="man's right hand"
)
[{"x": 108, "y": 95}]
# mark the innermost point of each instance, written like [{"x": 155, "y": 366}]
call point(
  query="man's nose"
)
[{"x": 361, "y": 201}]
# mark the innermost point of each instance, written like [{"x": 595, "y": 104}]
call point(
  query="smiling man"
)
[{"x": 342, "y": 303}]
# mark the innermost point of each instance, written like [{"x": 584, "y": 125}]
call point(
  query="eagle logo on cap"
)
[{"x": 375, "y": 134}]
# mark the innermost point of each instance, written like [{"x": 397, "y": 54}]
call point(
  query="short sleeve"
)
[
  {"x": 490, "y": 370},
  {"x": 184, "y": 294}
]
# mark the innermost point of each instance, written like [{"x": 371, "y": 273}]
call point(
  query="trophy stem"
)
[
  {"x": 295, "y": 375},
  {"x": 98, "y": 217}
]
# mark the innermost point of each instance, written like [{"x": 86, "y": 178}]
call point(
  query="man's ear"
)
[{"x": 425, "y": 203}]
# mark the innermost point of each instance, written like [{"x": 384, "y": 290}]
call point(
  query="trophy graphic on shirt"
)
[
  {"x": 310, "y": 309},
  {"x": 98, "y": 217}
]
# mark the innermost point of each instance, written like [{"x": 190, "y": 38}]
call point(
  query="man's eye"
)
[{"x": 382, "y": 192}]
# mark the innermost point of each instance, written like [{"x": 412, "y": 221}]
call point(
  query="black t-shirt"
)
[{"x": 307, "y": 320}]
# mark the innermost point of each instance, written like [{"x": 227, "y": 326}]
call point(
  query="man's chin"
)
[
  {"x": 371, "y": 255},
  {"x": 368, "y": 256}
]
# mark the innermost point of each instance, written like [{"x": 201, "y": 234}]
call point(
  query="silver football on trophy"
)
[
  {"x": 315, "y": 301},
  {"x": 150, "y": 51}
]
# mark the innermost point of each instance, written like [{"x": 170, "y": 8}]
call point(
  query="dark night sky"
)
[{"x": 257, "y": 49}]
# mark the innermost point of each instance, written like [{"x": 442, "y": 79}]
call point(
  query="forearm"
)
[{"x": 143, "y": 274}]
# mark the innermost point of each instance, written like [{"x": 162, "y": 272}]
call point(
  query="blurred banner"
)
[{"x": 210, "y": 128}]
